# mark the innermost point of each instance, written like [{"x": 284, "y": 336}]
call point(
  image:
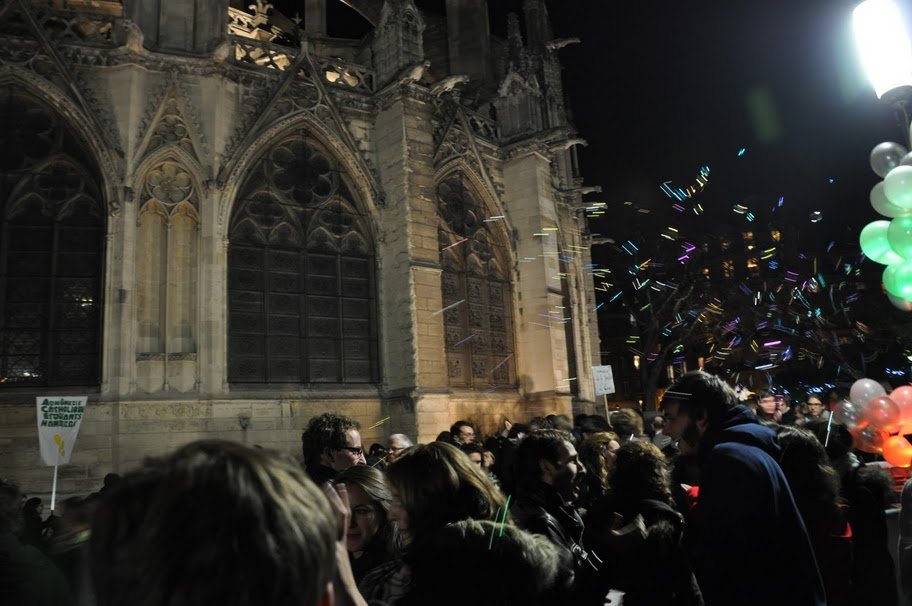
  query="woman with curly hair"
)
[
  {"x": 597, "y": 453},
  {"x": 639, "y": 486},
  {"x": 371, "y": 538},
  {"x": 432, "y": 485}
]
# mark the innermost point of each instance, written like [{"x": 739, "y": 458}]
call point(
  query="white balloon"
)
[
  {"x": 848, "y": 414},
  {"x": 865, "y": 390},
  {"x": 886, "y": 156},
  {"x": 883, "y": 206}
]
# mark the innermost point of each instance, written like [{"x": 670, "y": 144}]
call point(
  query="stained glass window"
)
[
  {"x": 51, "y": 249},
  {"x": 477, "y": 298},
  {"x": 301, "y": 285}
]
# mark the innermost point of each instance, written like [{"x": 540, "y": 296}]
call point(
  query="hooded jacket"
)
[{"x": 751, "y": 545}]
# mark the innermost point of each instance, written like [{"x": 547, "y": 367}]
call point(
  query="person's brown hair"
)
[
  {"x": 640, "y": 472},
  {"x": 594, "y": 455},
  {"x": 627, "y": 422},
  {"x": 507, "y": 566},
  {"x": 324, "y": 431},
  {"x": 372, "y": 482},
  {"x": 539, "y": 444},
  {"x": 437, "y": 484},
  {"x": 214, "y": 523}
]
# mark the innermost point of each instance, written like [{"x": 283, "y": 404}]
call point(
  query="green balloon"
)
[
  {"x": 899, "y": 236},
  {"x": 900, "y": 303},
  {"x": 898, "y": 186},
  {"x": 897, "y": 279},
  {"x": 876, "y": 245}
]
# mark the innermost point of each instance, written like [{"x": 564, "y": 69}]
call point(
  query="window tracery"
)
[
  {"x": 477, "y": 296},
  {"x": 166, "y": 262},
  {"x": 51, "y": 245},
  {"x": 300, "y": 274}
]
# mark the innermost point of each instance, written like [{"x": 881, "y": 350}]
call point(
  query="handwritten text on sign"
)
[
  {"x": 604, "y": 380},
  {"x": 59, "y": 419}
]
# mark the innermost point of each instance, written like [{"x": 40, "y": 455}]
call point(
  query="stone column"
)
[
  {"x": 413, "y": 345},
  {"x": 118, "y": 358},
  {"x": 212, "y": 295},
  {"x": 542, "y": 343}
]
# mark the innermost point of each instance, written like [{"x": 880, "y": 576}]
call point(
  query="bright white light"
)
[{"x": 883, "y": 45}]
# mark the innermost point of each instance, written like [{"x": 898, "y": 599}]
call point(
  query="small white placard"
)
[{"x": 604, "y": 380}]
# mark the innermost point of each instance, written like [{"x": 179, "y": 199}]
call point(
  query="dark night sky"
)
[{"x": 661, "y": 88}]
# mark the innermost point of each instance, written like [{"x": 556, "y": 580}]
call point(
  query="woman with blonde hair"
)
[
  {"x": 435, "y": 484},
  {"x": 432, "y": 485}
]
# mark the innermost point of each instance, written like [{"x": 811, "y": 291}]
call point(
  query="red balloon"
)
[
  {"x": 897, "y": 451},
  {"x": 902, "y": 395},
  {"x": 883, "y": 414}
]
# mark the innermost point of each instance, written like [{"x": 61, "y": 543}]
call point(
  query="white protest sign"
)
[
  {"x": 604, "y": 380},
  {"x": 59, "y": 418}
]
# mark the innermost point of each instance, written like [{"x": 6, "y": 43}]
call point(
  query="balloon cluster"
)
[
  {"x": 890, "y": 242},
  {"x": 878, "y": 421}
]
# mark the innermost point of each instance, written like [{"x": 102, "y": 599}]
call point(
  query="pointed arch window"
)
[
  {"x": 166, "y": 262},
  {"x": 477, "y": 295},
  {"x": 51, "y": 249},
  {"x": 301, "y": 286}
]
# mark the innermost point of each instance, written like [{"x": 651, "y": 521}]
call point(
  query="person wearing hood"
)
[{"x": 745, "y": 518}]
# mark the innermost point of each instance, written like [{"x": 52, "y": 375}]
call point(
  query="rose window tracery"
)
[{"x": 169, "y": 184}]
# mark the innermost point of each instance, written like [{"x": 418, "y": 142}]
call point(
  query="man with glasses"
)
[
  {"x": 395, "y": 445},
  {"x": 463, "y": 433},
  {"x": 816, "y": 409},
  {"x": 331, "y": 443}
]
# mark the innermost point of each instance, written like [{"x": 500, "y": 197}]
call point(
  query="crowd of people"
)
[{"x": 716, "y": 500}]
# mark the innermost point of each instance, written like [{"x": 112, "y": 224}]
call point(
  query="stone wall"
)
[{"x": 117, "y": 436}]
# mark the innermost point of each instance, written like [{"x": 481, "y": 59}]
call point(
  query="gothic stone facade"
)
[{"x": 218, "y": 222}]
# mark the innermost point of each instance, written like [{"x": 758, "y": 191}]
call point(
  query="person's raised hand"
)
[
  {"x": 337, "y": 495},
  {"x": 345, "y": 589},
  {"x": 623, "y": 536}
]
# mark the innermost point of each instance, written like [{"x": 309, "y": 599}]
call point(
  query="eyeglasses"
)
[{"x": 355, "y": 450}]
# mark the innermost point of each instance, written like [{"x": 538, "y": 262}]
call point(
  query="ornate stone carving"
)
[
  {"x": 171, "y": 130},
  {"x": 169, "y": 183}
]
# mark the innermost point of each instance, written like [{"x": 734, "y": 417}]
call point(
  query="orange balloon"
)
[{"x": 898, "y": 451}]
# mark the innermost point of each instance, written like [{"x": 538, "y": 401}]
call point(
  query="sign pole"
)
[
  {"x": 54, "y": 490},
  {"x": 607, "y": 414}
]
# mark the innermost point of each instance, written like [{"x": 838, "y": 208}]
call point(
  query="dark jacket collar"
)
[
  {"x": 739, "y": 424},
  {"x": 545, "y": 496}
]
